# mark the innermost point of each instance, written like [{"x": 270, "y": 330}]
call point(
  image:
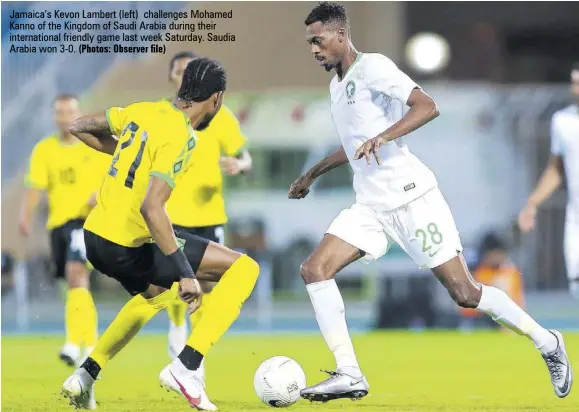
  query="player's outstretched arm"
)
[
  {"x": 301, "y": 187},
  {"x": 549, "y": 181},
  {"x": 29, "y": 204},
  {"x": 157, "y": 220},
  {"x": 423, "y": 109},
  {"x": 95, "y": 132},
  {"x": 36, "y": 182}
]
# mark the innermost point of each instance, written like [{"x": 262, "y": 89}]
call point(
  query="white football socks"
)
[
  {"x": 331, "y": 316},
  {"x": 495, "y": 303}
]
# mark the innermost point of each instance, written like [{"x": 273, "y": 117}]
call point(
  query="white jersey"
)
[
  {"x": 368, "y": 100},
  {"x": 565, "y": 143}
]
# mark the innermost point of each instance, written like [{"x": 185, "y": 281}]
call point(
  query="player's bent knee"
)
[
  {"x": 465, "y": 295},
  {"x": 250, "y": 265},
  {"x": 245, "y": 272},
  {"x": 312, "y": 271}
]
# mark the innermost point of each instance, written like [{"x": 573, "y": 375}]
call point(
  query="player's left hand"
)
[
  {"x": 371, "y": 147},
  {"x": 230, "y": 166}
]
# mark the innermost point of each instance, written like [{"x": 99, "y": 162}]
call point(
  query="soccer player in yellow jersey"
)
[
  {"x": 129, "y": 235},
  {"x": 197, "y": 206},
  {"x": 70, "y": 173}
]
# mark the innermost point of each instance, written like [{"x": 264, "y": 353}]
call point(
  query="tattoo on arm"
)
[
  {"x": 95, "y": 132},
  {"x": 93, "y": 125}
]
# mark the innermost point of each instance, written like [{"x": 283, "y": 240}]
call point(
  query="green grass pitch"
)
[{"x": 431, "y": 371}]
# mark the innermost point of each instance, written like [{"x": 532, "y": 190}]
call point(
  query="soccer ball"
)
[{"x": 278, "y": 381}]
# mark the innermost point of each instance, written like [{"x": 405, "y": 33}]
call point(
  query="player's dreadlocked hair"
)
[
  {"x": 179, "y": 56},
  {"x": 201, "y": 79},
  {"x": 329, "y": 13}
]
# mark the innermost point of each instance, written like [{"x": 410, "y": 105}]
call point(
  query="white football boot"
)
[
  {"x": 78, "y": 388},
  {"x": 559, "y": 367},
  {"x": 338, "y": 386},
  {"x": 187, "y": 383}
]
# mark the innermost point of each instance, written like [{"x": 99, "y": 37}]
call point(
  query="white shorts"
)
[
  {"x": 424, "y": 229},
  {"x": 571, "y": 248}
]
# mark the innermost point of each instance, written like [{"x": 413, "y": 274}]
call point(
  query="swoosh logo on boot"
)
[
  {"x": 194, "y": 402},
  {"x": 353, "y": 383},
  {"x": 565, "y": 386}
]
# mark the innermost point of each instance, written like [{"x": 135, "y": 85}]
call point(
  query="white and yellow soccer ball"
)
[{"x": 278, "y": 381}]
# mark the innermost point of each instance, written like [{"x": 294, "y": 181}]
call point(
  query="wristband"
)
[{"x": 182, "y": 264}]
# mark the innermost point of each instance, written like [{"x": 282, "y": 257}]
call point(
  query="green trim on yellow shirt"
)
[
  {"x": 170, "y": 101},
  {"x": 108, "y": 116},
  {"x": 164, "y": 177}
]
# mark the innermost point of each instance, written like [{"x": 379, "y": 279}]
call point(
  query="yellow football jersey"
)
[
  {"x": 70, "y": 174},
  {"x": 155, "y": 139},
  {"x": 198, "y": 200}
]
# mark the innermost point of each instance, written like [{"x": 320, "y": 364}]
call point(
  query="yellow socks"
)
[
  {"x": 131, "y": 318},
  {"x": 224, "y": 305},
  {"x": 91, "y": 324},
  {"x": 80, "y": 317},
  {"x": 196, "y": 316},
  {"x": 177, "y": 312}
]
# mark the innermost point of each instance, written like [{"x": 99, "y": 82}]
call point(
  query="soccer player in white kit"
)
[
  {"x": 563, "y": 162},
  {"x": 397, "y": 200}
]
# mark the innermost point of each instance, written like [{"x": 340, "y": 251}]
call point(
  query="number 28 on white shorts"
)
[{"x": 424, "y": 229}]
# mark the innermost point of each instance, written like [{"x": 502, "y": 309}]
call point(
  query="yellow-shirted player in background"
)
[
  {"x": 130, "y": 238},
  {"x": 197, "y": 205},
  {"x": 70, "y": 173}
]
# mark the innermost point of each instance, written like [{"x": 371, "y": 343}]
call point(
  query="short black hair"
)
[
  {"x": 179, "y": 56},
  {"x": 202, "y": 78},
  {"x": 328, "y": 12},
  {"x": 575, "y": 66}
]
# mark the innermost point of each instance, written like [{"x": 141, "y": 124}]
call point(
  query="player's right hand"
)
[
  {"x": 527, "y": 218},
  {"x": 24, "y": 227},
  {"x": 190, "y": 290},
  {"x": 301, "y": 187}
]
